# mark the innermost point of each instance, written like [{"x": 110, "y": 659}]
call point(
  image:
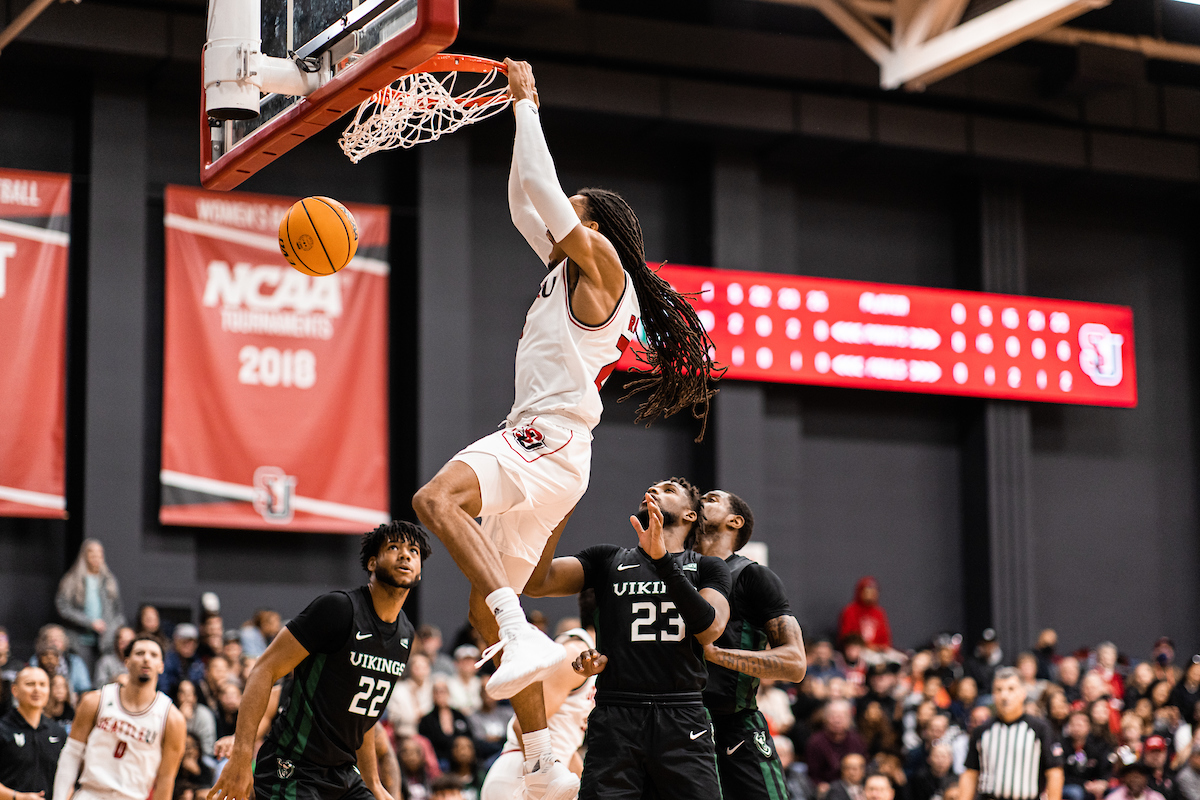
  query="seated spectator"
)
[
  {"x": 148, "y": 621},
  {"x": 1047, "y": 661},
  {"x": 1186, "y": 693},
  {"x": 212, "y": 637},
  {"x": 1068, "y": 678},
  {"x": 890, "y": 767},
  {"x": 877, "y": 730},
  {"x": 965, "y": 694},
  {"x": 489, "y": 725},
  {"x": 216, "y": 675},
  {"x": 464, "y": 683},
  {"x": 1093, "y": 687},
  {"x": 232, "y": 650},
  {"x": 1055, "y": 707},
  {"x": 182, "y": 662},
  {"x": 228, "y": 702},
  {"x": 849, "y": 783},
  {"x": 882, "y": 685},
  {"x": 443, "y": 723},
  {"x": 984, "y": 662},
  {"x": 1135, "y": 779},
  {"x": 811, "y": 696},
  {"x": 7, "y": 673},
  {"x": 1188, "y": 779},
  {"x": 70, "y": 664},
  {"x": 1129, "y": 740},
  {"x": 863, "y": 616},
  {"x": 935, "y": 775},
  {"x": 1099, "y": 715},
  {"x": 961, "y": 742},
  {"x": 429, "y": 642},
  {"x": 1106, "y": 668},
  {"x": 412, "y": 698},
  {"x": 61, "y": 706},
  {"x": 30, "y": 742},
  {"x": 775, "y": 706},
  {"x": 1163, "y": 659},
  {"x": 111, "y": 665},
  {"x": 821, "y": 665},
  {"x": 827, "y": 747},
  {"x": 1086, "y": 760},
  {"x": 1161, "y": 777},
  {"x": 447, "y": 787},
  {"x": 878, "y": 787},
  {"x": 795, "y": 775},
  {"x": 1027, "y": 666},
  {"x": 935, "y": 731},
  {"x": 1138, "y": 684},
  {"x": 945, "y": 652},
  {"x": 201, "y": 722},
  {"x": 262, "y": 628},
  {"x": 416, "y": 772},
  {"x": 194, "y": 775},
  {"x": 1160, "y": 694},
  {"x": 89, "y": 601},
  {"x": 464, "y": 765},
  {"x": 913, "y": 722},
  {"x": 852, "y": 664}
]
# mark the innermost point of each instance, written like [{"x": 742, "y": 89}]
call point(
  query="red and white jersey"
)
[
  {"x": 568, "y": 724},
  {"x": 562, "y": 363},
  {"x": 124, "y": 749}
]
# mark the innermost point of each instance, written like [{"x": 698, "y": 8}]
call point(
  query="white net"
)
[{"x": 421, "y": 107}]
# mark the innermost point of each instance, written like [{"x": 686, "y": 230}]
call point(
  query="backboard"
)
[{"x": 350, "y": 49}]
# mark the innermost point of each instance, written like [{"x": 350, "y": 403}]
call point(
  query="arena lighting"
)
[
  {"x": 1189, "y": 2},
  {"x": 794, "y": 329}
]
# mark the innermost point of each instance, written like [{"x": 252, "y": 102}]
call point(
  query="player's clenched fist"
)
[
  {"x": 590, "y": 662},
  {"x": 520, "y": 81}
]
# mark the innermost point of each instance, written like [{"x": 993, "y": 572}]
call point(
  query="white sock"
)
[
  {"x": 504, "y": 604},
  {"x": 536, "y": 744}
]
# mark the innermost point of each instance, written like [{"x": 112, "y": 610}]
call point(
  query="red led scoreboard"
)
[{"x": 793, "y": 329}]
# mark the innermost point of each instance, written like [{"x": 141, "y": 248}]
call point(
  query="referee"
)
[{"x": 1013, "y": 756}]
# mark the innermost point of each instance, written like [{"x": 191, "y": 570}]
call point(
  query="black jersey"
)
[
  {"x": 649, "y": 649},
  {"x": 757, "y": 598},
  {"x": 338, "y": 692}
]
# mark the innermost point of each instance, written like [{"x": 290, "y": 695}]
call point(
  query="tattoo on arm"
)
[{"x": 783, "y": 661}]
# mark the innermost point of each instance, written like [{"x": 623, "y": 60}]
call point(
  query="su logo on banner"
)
[
  {"x": 273, "y": 491},
  {"x": 1100, "y": 353}
]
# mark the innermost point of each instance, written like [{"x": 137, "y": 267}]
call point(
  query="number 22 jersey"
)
[
  {"x": 338, "y": 692},
  {"x": 649, "y": 649}
]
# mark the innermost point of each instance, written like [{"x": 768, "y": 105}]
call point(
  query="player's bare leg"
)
[{"x": 447, "y": 505}]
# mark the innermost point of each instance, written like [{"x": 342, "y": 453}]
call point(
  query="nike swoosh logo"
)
[
  {"x": 729, "y": 750},
  {"x": 623, "y": 567},
  {"x": 360, "y": 636},
  {"x": 697, "y": 734}
]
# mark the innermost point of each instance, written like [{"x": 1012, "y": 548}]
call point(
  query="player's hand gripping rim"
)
[
  {"x": 520, "y": 81},
  {"x": 651, "y": 540},
  {"x": 589, "y": 663},
  {"x": 236, "y": 781}
]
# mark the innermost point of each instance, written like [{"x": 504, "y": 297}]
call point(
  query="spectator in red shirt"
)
[
  {"x": 1106, "y": 667},
  {"x": 864, "y": 616},
  {"x": 827, "y": 747}
]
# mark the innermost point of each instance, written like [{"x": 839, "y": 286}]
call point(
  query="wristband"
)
[{"x": 698, "y": 614}]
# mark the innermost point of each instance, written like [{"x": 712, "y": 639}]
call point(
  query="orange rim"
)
[{"x": 448, "y": 62}]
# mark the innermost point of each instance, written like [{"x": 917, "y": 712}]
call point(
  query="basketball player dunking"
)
[
  {"x": 525, "y": 479},
  {"x": 657, "y": 604},
  {"x": 345, "y": 653},
  {"x": 128, "y": 738},
  {"x": 762, "y": 640}
]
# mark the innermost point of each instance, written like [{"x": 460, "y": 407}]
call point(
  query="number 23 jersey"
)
[
  {"x": 339, "y": 691},
  {"x": 649, "y": 649}
]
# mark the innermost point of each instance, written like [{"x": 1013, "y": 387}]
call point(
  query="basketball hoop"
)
[{"x": 426, "y": 103}]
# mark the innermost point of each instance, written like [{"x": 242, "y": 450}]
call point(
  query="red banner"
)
[
  {"x": 275, "y": 383},
  {"x": 793, "y": 329},
  {"x": 34, "y": 240}
]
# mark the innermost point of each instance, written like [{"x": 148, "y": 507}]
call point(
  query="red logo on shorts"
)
[{"x": 529, "y": 437}]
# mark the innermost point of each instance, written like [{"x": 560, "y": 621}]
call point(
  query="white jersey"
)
[
  {"x": 562, "y": 363},
  {"x": 569, "y": 723},
  {"x": 124, "y": 749}
]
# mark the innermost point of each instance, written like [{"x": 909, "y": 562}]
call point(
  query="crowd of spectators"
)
[{"x": 863, "y": 709}]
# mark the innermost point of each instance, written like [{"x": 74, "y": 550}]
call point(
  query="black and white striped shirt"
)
[{"x": 1012, "y": 757}]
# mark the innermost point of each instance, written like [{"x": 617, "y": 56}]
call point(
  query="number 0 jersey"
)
[
  {"x": 649, "y": 649},
  {"x": 757, "y": 598},
  {"x": 562, "y": 363},
  {"x": 124, "y": 748},
  {"x": 338, "y": 692}
]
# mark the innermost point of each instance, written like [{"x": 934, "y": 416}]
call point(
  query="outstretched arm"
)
[
  {"x": 784, "y": 661},
  {"x": 526, "y": 217}
]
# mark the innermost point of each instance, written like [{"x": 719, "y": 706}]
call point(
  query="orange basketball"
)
[{"x": 318, "y": 236}]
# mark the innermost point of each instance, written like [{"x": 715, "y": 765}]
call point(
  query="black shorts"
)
[
  {"x": 663, "y": 752},
  {"x": 746, "y": 757},
  {"x": 280, "y": 779}
]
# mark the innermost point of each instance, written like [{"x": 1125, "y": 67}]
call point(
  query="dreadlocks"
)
[{"x": 678, "y": 350}]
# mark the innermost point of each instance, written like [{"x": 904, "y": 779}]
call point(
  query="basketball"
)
[{"x": 318, "y": 236}]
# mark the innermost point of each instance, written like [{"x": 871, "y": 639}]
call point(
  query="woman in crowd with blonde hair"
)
[{"x": 89, "y": 601}]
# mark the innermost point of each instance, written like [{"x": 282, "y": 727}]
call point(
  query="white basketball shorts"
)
[
  {"x": 530, "y": 477},
  {"x": 506, "y": 778}
]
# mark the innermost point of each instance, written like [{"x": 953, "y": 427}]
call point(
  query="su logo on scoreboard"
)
[
  {"x": 1100, "y": 353},
  {"x": 273, "y": 493}
]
